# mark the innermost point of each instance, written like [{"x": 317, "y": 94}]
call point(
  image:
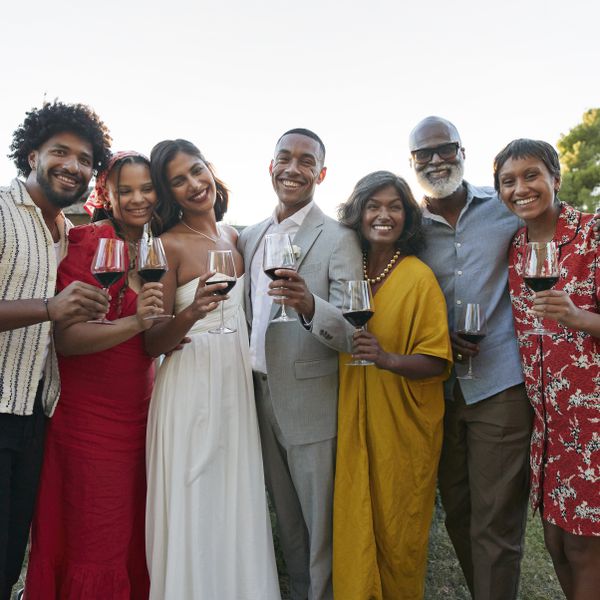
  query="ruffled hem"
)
[{"x": 82, "y": 582}]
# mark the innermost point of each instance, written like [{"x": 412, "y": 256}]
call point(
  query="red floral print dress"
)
[{"x": 562, "y": 377}]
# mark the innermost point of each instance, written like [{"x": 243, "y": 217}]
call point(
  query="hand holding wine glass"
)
[
  {"x": 108, "y": 266},
  {"x": 540, "y": 273},
  {"x": 278, "y": 254},
  {"x": 149, "y": 302},
  {"x": 222, "y": 264},
  {"x": 152, "y": 265},
  {"x": 471, "y": 326},
  {"x": 358, "y": 309}
]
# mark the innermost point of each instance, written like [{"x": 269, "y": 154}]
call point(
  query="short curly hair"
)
[{"x": 41, "y": 124}]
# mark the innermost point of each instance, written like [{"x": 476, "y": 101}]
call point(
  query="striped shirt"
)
[{"x": 27, "y": 270}]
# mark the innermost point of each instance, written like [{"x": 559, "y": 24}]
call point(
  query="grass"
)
[{"x": 444, "y": 578}]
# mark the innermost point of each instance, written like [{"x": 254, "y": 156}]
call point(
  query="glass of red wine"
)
[
  {"x": 152, "y": 264},
  {"x": 108, "y": 266},
  {"x": 221, "y": 261},
  {"x": 278, "y": 254},
  {"x": 540, "y": 272},
  {"x": 471, "y": 327},
  {"x": 358, "y": 309}
]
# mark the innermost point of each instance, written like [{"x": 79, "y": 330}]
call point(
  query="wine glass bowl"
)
[
  {"x": 471, "y": 326},
  {"x": 108, "y": 266},
  {"x": 357, "y": 309},
  {"x": 278, "y": 253},
  {"x": 221, "y": 261},
  {"x": 540, "y": 272}
]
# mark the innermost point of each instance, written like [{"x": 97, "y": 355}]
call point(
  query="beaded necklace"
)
[{"x": 384, "y": 273}]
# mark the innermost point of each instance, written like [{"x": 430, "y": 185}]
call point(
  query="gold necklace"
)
[
  {"x": 384, "y": 273},
  {"x": 208, "y": 237}
]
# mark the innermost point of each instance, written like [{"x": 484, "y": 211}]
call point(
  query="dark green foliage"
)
[{"x": 580, "y": 159}]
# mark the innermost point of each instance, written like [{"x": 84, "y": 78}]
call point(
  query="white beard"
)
[{"x": 442, "y": 188}]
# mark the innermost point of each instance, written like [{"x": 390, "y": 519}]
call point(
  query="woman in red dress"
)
[
  {"x": 562, "y": 370},
  {"x": 88, "y": 529}
]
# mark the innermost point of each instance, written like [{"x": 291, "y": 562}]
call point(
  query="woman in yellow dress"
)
[{"x": 390, "y": 414}]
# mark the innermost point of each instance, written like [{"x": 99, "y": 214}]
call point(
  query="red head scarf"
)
[{"x": 98, "y": 197}]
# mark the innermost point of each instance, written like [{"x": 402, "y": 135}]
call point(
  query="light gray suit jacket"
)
[{"x": 303, "y": 365}]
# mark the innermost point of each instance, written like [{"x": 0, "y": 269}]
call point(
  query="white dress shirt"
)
[{"x": 259, "y": 286}]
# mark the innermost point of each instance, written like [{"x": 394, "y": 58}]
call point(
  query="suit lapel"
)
[{"x": 307, "y": 234}]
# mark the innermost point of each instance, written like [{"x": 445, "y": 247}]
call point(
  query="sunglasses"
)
[{"x": 445, "y": 152}]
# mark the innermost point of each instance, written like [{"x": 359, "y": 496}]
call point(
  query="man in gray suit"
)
[{"x": 296, "y": 364}]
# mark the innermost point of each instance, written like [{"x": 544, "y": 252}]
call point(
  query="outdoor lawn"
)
[{"x": 445, "y": 580}]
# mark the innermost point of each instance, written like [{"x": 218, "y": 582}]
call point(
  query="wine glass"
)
[
  {"x": 108, "y": 266},
  {"x": 358, "y": 309},
  {"x": 221, "y": 261},
  {"x": 278, "y": 254},
  {"x": 152, "y": 264},
  {"x": 540, "y": 272},
  {"x": 471, "y": 327}
]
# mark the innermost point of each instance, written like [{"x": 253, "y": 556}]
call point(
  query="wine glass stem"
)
[
  {"x": 362, "y": 328},
  {"x": 222, "y": 318},
  {"x": 283, "y": 313},
  {"x": 470, "y": 371}
]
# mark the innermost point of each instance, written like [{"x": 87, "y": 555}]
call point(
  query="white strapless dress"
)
[{"x": 208, "y": 533}]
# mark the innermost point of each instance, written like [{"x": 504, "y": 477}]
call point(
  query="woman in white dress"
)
[{"x": 208, "y": 534}]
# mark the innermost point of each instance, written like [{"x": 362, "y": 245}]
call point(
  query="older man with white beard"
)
[{"x": 483, "y": 472}]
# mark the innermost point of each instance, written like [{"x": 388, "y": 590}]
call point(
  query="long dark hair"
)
[
  {"x": 350, "y": 213},
  {"x": 167, "y": 208}
]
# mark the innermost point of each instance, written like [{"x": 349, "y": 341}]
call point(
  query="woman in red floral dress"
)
[{"x": 562, "y": 370}]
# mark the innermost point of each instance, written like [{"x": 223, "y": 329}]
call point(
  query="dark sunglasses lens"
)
[
  {"x": 447, "y": 151},
  {"x": 423, "y": 156}
]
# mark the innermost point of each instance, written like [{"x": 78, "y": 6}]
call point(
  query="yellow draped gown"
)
[{"x": 389, "y": 441}]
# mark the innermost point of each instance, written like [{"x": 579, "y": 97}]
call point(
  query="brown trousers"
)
[{"x": 484, "y": 486}]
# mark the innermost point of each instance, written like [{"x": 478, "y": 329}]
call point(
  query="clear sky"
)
[{"x": 232, "y": 75}]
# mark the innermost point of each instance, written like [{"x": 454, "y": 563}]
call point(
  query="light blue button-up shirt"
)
[{"x": 471, "y": 265}]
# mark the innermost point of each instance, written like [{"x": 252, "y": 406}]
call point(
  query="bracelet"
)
[{"x": 47, "y": 309}]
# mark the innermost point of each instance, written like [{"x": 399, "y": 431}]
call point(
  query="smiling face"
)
[
  {"x": 527, "y": 187},
  {"x": 295, "y": 171},
  {"x": 439, "y": 177},
  {"x": 383, "y": 217},
  {"x": 191, "y": 183},
  {"x": 131, "y": 193},
  {"x": 62, "y": 168}
]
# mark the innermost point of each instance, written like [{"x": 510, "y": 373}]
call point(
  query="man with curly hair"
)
[{"x": 57, "y": 149}]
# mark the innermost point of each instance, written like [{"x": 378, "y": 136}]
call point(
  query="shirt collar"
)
[
  {"x": 567, "y": 224},
  {"x": 297, "y": 218},
  {"x": 19, "y": 193},
  {"x": 473, "y": 193}
]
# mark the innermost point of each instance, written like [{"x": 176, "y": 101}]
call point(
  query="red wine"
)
[
  {"x": 540, "y": 284},
  {"x": 108, "y": 278},
  {"x": 469, "y": 336},
  {"x": 271, "y": 273},
  {"x": 152, "y": 275},
  {"x": 222, "y": 291},
  {"x": 358, "y": 318}
]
